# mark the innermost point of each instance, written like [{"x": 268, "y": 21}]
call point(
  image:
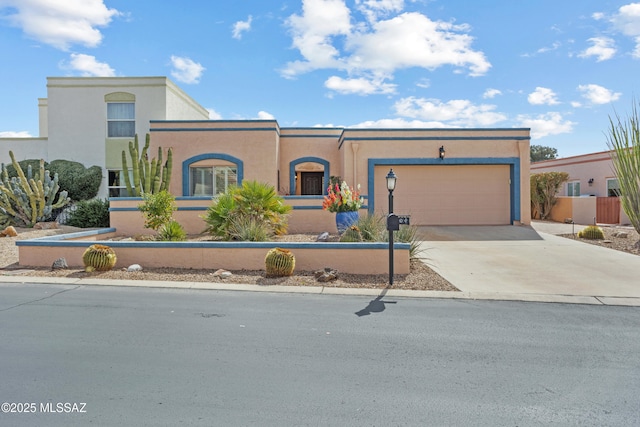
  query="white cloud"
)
[
  {"x": 240, "y": 27},
  {"x": 546, "y": 124},
  {"x": 457, "y": 112},
  {"x": 576, "y": 104},
  {"x": 326, "y": 38},
  {"x": 214, "y": 115},
  {"x": 263, "y": 115},
  {"x": 359, "y": 86},
  {"x": 627, "y": 21},
  {"x": 12, "y": 134},
  {"x": 491, "y": 93},
  {"x": 186, "y": 70},
  {"x": 596, "y": 94},
  {"x": 542, "y": 96},
  {"x": 373, "y": 9},
  {"x": 399, "y": 123},
  {"x": 312, "y": 33},
  {"x": 602, "y": 48},
  {"x": 88, "y": 66},
  {"x": 60, "y": 23}
]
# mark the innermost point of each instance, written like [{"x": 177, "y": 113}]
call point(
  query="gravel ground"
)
[
  {"x": 611, "y": 240},
  {"x": 421, "y": 276}
]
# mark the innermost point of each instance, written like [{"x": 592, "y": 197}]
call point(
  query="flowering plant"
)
[{"x": 342, "y": 198}]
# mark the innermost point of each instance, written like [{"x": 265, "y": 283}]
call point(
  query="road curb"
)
[{"x": 323, "y": 290}]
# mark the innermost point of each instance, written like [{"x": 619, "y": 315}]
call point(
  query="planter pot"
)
[{"x": 345, "y": 219}]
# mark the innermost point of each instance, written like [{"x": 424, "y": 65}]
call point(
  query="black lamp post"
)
[{"x": 391, "y": 185}]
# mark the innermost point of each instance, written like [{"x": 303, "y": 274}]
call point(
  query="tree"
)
[
  {"x": 539, "y": 153},
  {"x": 544, "y": 187},
  {"x": 623, "y": 139}
]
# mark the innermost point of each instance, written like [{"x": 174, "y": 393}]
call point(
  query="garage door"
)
[{"x": 448, "y": 195}]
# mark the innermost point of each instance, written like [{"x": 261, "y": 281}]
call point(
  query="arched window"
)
[{"x": 210, "y": 174}]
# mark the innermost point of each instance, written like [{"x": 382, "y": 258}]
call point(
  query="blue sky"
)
[{"x": 560, "y": 68}]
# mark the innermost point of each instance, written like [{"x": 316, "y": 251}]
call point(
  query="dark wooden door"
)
[{"x": 311, "y": 183}]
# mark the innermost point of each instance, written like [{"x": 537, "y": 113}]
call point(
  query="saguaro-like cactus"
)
[
  {"x": 149, "y": 177},
  {"x": 27, "y": 199}
]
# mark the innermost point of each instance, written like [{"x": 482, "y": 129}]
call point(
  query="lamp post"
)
[{"x": 391, "y": 185}]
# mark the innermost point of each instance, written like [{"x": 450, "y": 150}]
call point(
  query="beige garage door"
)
[{"x": 448, "y": 195}]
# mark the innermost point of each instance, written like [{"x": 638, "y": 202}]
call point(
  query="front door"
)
[{"x": 311, "y": 183}]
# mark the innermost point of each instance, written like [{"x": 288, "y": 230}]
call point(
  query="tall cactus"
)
[
  {"x": 25, "y": 199},
  {"x": 149, "y": 177}
]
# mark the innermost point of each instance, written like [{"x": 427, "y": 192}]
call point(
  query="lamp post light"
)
[{"x": 391, "y": 185}]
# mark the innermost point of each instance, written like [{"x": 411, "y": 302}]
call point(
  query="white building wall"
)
[{"x": 23, "y": 149}]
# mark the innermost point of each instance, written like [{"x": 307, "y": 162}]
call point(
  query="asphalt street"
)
[{"x": 142, "y": 356}]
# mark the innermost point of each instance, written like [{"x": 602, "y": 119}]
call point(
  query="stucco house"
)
[
  {"x": 591, "y": 193},
  {"x": 445, "y": 176},
  {"x": 91, "y": 119}
]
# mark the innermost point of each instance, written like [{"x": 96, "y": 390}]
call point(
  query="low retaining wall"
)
[{"x": 355, "y": 258}]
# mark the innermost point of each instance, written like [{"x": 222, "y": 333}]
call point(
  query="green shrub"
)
[
  {"x": 81, "y": 183},
  {"x": 157, "y": 209},
  {"x": 253, "y": 201},
  {"x": 24, "y": 165},
  {"x": 372, "y": 227},
  {"x": 352, "y": 234},
  {"x": 172, "y": 231},
  {"x": 89, "y": 214},
  {"x": 248, "y": 229}
]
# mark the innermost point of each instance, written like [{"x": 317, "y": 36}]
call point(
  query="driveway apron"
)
[{"x": 523, "y": 260}]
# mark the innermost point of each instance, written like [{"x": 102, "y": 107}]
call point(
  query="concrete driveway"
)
[{"x": 529, "y": 260}]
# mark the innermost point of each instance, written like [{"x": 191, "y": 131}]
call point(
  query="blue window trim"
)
[
  {"x": 188, "y": 162},
  {"x": 292, "y": 171},
  {"x": 512, "y": 162}
]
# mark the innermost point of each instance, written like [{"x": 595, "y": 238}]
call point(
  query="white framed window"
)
[
  {"x": 613, "y": 187},
  {"x": 573, "y": 189},
  {"x": 211, "y": 180},
  {"x": 117, "y": 187},
  {"x": 121, "y": 119}
]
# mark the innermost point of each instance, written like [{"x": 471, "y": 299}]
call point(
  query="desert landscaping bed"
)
[{"x": 421, "y": 277}]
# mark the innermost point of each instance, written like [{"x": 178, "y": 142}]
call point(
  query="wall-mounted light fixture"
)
[
  {"x": 442, "y": 152},
  {"x": 590, "y": 182}
]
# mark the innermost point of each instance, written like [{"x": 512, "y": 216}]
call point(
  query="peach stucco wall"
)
[
  {"x": 358, "y": 258},
  {"x": 255, "y": 143}
]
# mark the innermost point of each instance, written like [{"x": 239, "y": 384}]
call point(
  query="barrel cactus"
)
[
  {"x": 99, "y": 257},
  {"x": 592, "y": 232},
  {"x": 279, "y": 262},
  {"x": 351, "y": 234}
]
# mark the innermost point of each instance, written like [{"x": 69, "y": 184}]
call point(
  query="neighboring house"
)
[
  {"x": 590, "y": 175},
  {"x": 445, "y": 176},
  {"x": 92, "y": 119}
]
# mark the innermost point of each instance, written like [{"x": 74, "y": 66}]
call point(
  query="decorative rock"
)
[
  {"x": 621, "y": 234},
  {"x": 45, "y": 225},
  {"x": 326, "y": 275},
  {"x": 607, "y": 241},
  {"x": 59, "y": 264},
  {"x": 9, "y": 231},
  {"x": 323, "y": 237},
  {"x": 134, "y": 267},
  {"x": 222, "y": 273}
]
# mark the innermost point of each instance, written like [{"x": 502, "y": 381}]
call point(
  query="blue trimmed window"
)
[{"x": 211, "y": 180}]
